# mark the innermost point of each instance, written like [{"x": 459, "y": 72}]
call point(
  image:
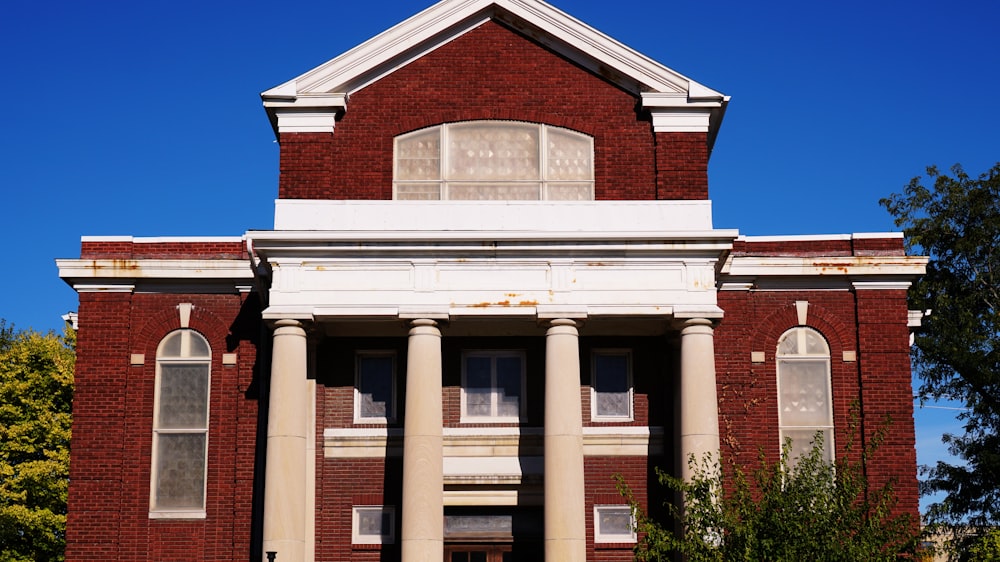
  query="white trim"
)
[
  {"x": 159, "y": 239},
  {"x": 881, "y": 285},
  {"x": 830, "y": 266},
  {"x": 74, "y": 270},
  {"x": 602, "y": 538},
  {"x": 617, "y": 352}
]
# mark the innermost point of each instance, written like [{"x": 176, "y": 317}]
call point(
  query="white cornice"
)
[
  {"x": 834, "y": 266},
  {"x": 84, "y": 272},
  {"x": 329, "y": 85}
]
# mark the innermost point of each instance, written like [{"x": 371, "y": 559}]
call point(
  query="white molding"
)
[
  {"x": 687, "y": 220},
  {"x": 76, "y": 270},
  {"x": 492, "y": 442},
  {"x": 160, "y": 239},
  {"x": 881, "y": 285},
  {"x": 306, "y": 121},
  {"x": 831, "y": 266},
  {"x": 102, "y": 287}
]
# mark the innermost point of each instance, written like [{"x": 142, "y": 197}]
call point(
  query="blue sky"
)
[{"x": 144, "y": 119}]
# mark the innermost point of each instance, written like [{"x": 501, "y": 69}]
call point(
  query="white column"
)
[
  {"x": 422, "y": 531},
  {"x": 699, "y": 416},
  {"x": 565, "y": 511},
  {"x": 287, "y": 425}
]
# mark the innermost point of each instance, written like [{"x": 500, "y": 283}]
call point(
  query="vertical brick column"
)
[
  {"x": 699, "y": 416},
  {"x": 886, "y": 388},
  {"x": 287, "y": 427},
  {"x": 97, "y": 467},
  {"x": 422, "y": 529},
  {"x": 565, "y": 510}
]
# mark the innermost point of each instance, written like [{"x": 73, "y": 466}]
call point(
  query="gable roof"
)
[{"x": 326, "y": 88}]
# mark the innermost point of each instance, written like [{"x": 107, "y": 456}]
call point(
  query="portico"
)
[{"x": 514, "y": 269}]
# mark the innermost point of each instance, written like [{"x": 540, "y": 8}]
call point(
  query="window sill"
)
[{"x": 195, "y": 514}]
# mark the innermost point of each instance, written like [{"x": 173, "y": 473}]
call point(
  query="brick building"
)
[{"x": 493, "y": 283}]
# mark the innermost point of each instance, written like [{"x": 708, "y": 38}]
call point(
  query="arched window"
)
[
  {"x": 804, "y": 394},
  {"x": 494, "y": 160},
  {"x": 180, "y": 425}
]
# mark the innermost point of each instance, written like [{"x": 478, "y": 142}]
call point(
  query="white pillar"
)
[
  {"x": 287, "y": 424},
  {"x": 565, "y": 511},
  {"x": 422, "y": 531},
  {"x": 699, "y": 419}
]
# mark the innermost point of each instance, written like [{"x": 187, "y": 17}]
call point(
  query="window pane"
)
[
  {"x": 375, "y": 386},
  {"x": 509, "y": 386},
  {"x": 611, "y": 386},
  {"x": 372, "y": 522},
  {"x": 815, "y": 344},
  {"x": 492, "y": 151},
  {"x": 804, "y": 396},
  {"x": 197, "y": 344},
  {"x": 183, "y": 396},
  {"x": 569, "y": 156},
  {"x": 418, "y": 156},
  {"x": 418, "y": 192},
  {"x": 493, "y": 192},
  {"x": 478, "y": 386},
  {"x": 569, "y": 192},
  {"x": 802, "y": 443},
  {"x": 614, "y": 521},
  {"x": 180, "y": 470},
  {"x": 171, "y": 346}
]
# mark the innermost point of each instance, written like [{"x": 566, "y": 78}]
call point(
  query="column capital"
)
[
  {"x": 424, "y": 327},
  {"x": 562, "y": 326},
  {"x": 697, "y": 326}
]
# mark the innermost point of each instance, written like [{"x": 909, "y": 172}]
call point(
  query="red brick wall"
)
[
  {"x": 112, "y": 427},
  {"x": 872, "y": 323},
  {"x": 492, "y": 72},
  {"x": 112, "y": 249}
]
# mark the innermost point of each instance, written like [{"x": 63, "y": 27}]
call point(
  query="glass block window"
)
[
  {"x": 804, "y": 394},
  {"x": 375, "y": 524},
  {"x": 375, "y": 387},
  {"x": 492, "y": 386},
  {"x": 494, "y": 160},
  {"x": 180, "y": 425},
  {"x": 611, "y": 385},
  {"x": 613, "y": 524}
]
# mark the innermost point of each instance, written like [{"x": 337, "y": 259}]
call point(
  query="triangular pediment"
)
[{"x": 328, "y": 86}]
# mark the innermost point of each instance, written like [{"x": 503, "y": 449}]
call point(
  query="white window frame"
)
[
  {"x": 493, "y": 418},
  {"x": 358, "y": 417},
  {"x": 443, "y": 159},
  {"x": 781, "y": 359},
  {"x": 386, "y": 512},
  {"x": 594, "y": 415},
  {"x": 173, "y": 512},
  {"x": 620, "y": 538}
]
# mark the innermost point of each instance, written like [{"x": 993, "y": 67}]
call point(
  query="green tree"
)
[
  {"x": 986, "y": 548},
  {"x": 786, "y": 511},
  {"x": 956, "y": 222},
  {"x": 36, "y": 389}
]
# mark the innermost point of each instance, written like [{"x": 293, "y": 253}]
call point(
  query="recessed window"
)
[
  {"x": 494, "y": 160},
  {"x": 374, "y": 524},
  {"x": 375, "y": 387},
  {"x": 804, "y": 394},
  {"x": 180, "y": 425},
  {"x": 492, "y": 386},
  {"x": 611, "y": 385},
  {"x": 613, "y": 524}
]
